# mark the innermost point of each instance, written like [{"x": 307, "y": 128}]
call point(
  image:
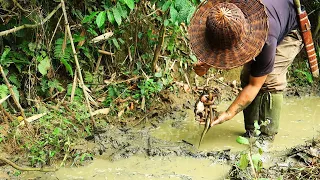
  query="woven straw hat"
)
[{"x": 227, "y": 34}]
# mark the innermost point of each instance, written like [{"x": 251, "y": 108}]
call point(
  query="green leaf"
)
[
  {"x": 166, "y": 22},
  {"x": 257, "y": 132},
  {"x": 115, "y": 42},
  {"x": 256, "y": 158},
  {"x": 121, "y": 41},
  {"x": 193, "y": 58},
  {"x": 44, "y": 66},
  {"x": 130, "y": 3},
  {"x": 14, "y": 79},
  {"x": 244, "y": 162},
  {"x": 101, "y": 18},
  {"x": 166, "y": 6},
  {"x": 260, "y": 151},
  {"x": 117, "y": 15},
  {"x": 4, "y": 91},
  {"x": 67, "y": 66},
  {"x": 158, "y": 74},
  {"x": 122, "y": 11},
  {"x": 256, "y": 125},
  {"x": 89, "y": 18},
  {"x": 173, "y": 14},
  {"x": 110, "y": 17},
  {"x": 4, "y": 54},
  {"x": 56, "y": 131},
  {"x": 242, "y": 140}
]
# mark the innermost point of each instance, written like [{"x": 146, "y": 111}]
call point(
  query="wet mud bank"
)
[
  {"x": 165, "y": 145},
  {"x": 117, "y": 143}
]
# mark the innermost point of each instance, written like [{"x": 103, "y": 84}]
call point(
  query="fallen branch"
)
[
  {"x": 33, "y": 118},
  {"x": 122, "y": 81},
  {"x": 25, "y": 168},
  {"x": 13, "y": 96},
  {"x": 105, "y": 52},
  {"x": 104, "y": 36},
  {"x": 15, "y": 29},
  {"x": 77, "y": 62}
]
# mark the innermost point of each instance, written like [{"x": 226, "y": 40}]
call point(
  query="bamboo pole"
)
[
  {"x": 158, "y": 48},
  {"x": 13, "y": 96},
  {"x": 77, "y": 62}
]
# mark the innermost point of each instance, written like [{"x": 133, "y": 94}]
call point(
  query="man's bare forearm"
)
[{"x": 246, "y": 96}]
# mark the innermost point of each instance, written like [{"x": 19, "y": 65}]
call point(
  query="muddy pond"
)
[{"x": 299, "y": 122}]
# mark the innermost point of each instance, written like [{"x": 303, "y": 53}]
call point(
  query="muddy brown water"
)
[{"x": 299, "y": 122}]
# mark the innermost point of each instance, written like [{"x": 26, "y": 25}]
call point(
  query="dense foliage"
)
[{"x": 147, "y": 49}]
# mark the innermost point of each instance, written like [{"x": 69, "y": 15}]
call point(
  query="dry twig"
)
[{"x": 105, "y": 52}]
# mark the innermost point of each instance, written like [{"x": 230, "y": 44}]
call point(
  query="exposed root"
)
[{"x": 25, "y": 168}]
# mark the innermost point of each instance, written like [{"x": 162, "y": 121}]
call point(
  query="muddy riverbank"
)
[{"x": 165, "y": 146}]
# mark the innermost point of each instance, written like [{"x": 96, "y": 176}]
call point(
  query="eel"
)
[{"x": 208, "y": 120}]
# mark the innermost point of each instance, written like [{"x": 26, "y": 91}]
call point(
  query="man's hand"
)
[
  {"x": 222, "y": 117},
  {"x": 201, "y": 68}
]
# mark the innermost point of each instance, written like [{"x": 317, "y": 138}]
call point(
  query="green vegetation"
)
[{"x": 145, "y": 52}]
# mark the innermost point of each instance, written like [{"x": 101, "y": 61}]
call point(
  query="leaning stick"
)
[
  {"x": 15, "y": 29},
  {"x": 13, "y": 96},
  {"x": 99, "y": 58},
  {"x": 77, "y": 62}
]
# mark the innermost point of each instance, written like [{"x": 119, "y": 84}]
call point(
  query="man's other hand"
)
[{"x": 201, "y": 68}]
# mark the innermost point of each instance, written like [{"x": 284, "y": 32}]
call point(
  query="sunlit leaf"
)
[
  {"x": 166, "y": 22},
  {"x": 158, "y": 74},
  {"x": 110, "y": 17},
  {"x": 256, "y": 158},
  {"x": 173, "y": 14},
  {"x": 4, "y": 91},
  {"x": 4, "y": 54},
  {"x": 101, "y": 18},
  {"x": 121, "y": 10},
  {"x": 244, "y": 162},
  {"x": 166, "y": 6},
  {"x": 256, "y": 125},
  {"x": 44, "y": 66},
  {"x": 89, "y": 18},
  {"x": 67, "y": 66},
  {"x": 242, "y": 140},
  {"x": 115, "y": 42},
  {"x": 130, "y": 3},
  {"x": 117, "y": 15}
]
